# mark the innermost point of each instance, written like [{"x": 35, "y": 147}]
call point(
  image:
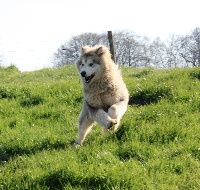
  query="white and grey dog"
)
[{"x": 105, "y": 93}]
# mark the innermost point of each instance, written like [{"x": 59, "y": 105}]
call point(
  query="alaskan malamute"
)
[{"x": 105, "y": 93}]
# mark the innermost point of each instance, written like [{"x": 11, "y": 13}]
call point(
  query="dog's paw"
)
[
  {"x": 112, "y": 124},
  {"x": 76, "y": 145}
]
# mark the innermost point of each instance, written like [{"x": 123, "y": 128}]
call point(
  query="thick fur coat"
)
[{"x": 105, "y": 93}]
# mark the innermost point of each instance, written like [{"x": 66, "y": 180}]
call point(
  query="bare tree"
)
[
  {"x": 190, "y": 48},
  {"x": 130, "y": 49},
  {"x": 137, "y": 51},
  {"x": 69, "y": 52},
  {"x": 173, "y": 52},
  {"x": 158, "y": 53}
]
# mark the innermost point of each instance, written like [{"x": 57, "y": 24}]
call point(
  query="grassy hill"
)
[{"x": 156, "y": 147}]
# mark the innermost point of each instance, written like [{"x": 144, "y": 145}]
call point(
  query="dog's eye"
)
[
  {"x": 82, "y": 64},
  {"x": 91, "y": 64}
]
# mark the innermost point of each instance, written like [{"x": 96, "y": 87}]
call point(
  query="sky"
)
[{"x": 32, "y": 30}]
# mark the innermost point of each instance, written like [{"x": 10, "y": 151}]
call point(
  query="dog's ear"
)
[
  {"x": 100, "y": 51},
  {"x": 83, "y": 48}
]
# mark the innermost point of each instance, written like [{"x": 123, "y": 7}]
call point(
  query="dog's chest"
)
[{"x": 101, "y": 100}]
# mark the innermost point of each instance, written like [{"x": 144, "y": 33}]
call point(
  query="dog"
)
[{"x": 105, "y": 93}]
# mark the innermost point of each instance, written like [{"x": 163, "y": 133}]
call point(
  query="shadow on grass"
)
[
  {"x": 31, "y": 101},
  {"x": 7, "y": 93},
  {"x": 7, "y": 153},
  {"x": 127, "y": 153},
  {"x": 149, "y": 95},
  {"x": 62, "y": 179},
  {"x": 195, "y": 74}
]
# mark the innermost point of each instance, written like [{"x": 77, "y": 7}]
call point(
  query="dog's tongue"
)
[{"x": 87, "y": 79}]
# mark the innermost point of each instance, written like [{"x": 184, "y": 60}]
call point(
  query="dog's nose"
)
[{"x": 83, "y": 73}]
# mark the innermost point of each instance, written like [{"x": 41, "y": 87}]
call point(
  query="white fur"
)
[{"x": 105, "y": 93}]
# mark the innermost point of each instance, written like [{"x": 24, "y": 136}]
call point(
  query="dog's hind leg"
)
[{"x": 85, "y": 125}]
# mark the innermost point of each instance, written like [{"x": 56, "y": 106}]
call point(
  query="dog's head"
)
[{"x": 89, "y": 64}]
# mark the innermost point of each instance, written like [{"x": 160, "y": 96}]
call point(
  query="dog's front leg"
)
[
  {"x": 101, "y": 117},
  {"x": 116, "y": 111}
]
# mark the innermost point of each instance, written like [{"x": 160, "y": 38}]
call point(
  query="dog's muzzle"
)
[{"x": 87, "y": 79}]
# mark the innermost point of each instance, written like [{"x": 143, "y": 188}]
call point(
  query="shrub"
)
[
  {"x": 150, "y": 95},
  {"x": 31, "y": 101},
  {"x": 195, "y": 74},
  {"x": 7, "y": 93}
]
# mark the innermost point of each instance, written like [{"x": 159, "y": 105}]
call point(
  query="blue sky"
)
[{"x": 32, "y": 30}]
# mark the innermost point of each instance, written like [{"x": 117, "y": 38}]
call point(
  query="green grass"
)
[{"x": 156, "y": 147}]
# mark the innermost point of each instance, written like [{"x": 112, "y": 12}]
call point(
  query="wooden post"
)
[{"x": 110, "y": 39}]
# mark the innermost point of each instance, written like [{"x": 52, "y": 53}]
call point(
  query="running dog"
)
[{"x": 105, "y": 94}]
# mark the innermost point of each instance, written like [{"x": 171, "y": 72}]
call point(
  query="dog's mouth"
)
[{"x": 89, "y": 78}]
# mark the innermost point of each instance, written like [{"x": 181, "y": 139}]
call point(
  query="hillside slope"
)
[{"x": 156, "y": 147}]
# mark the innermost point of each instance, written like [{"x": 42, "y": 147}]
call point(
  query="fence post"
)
[{"x": 110, "y": 39}]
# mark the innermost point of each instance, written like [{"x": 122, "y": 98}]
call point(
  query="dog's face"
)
[
  {"x": 89, "y": 68},
  {"x": 89, "y": 64}
]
